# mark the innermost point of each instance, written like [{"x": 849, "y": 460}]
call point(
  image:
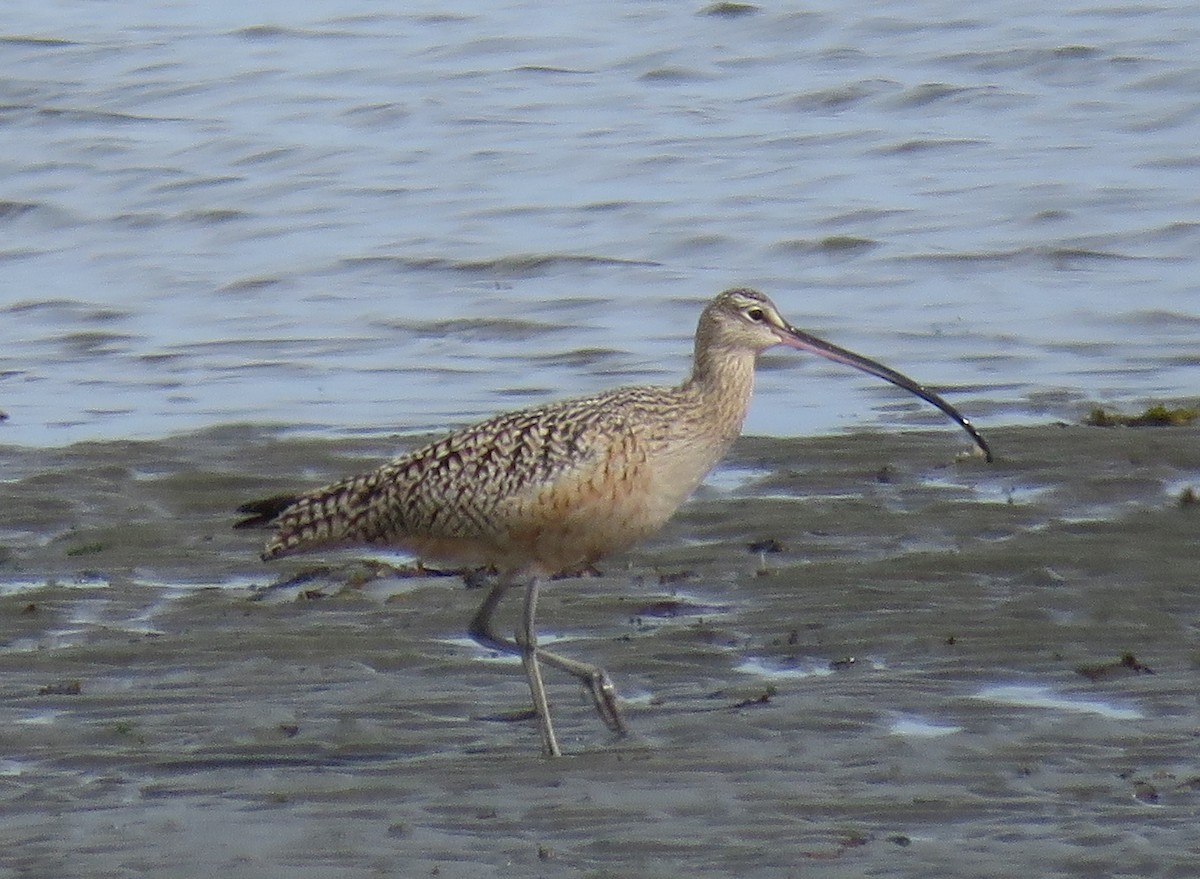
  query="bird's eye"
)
[{"x": 756, "y": 314}]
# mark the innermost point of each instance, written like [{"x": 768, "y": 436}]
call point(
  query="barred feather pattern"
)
[
  {"x": 502, "y": 490},
  {"x": 545, "y": 489}
]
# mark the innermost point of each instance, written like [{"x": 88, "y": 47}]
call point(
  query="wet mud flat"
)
[{"x": 847, "y": 656}]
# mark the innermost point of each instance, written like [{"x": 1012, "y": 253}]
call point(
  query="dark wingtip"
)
[{"x": 263, "y": 513}]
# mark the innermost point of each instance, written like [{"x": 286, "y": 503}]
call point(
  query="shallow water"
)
[
  {"x": 862, "y": 655},
  {"x": 344, "y": 219}
]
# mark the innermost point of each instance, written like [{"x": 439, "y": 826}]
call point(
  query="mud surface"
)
[{"x": 848, "y": 656}]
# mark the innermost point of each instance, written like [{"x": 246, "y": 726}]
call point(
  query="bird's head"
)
[{"x": 743, "y": 321}]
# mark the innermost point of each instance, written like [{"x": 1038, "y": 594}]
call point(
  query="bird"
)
[{"x": 541, "y": 491}]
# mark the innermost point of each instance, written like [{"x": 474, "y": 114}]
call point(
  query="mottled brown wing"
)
[{"x": 465, "y": 487}]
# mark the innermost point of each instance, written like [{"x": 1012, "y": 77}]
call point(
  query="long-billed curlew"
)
[{"x": 550, "y": 489}]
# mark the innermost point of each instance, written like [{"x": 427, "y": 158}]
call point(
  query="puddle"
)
[
  {"x": 992, "y": 491},
  {"x": 487, "y": 654},
  {"x": 1031, "y": 696},
  {"x": 731, "y": 480},
  {"x": 235, "y": 584},
  {"x": 1176, "y": 488},
  {"x": 676, "y": 608},
  {"x": 41, "y": 718},
  {"x": 800, "y": 668},
  {"x": 18, "y": 587},
  {"x": 53, "y": 640},
  {"x": 919, "y": 728}
]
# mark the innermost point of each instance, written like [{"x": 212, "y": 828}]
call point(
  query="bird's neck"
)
[{"x": 721, "y": 383}]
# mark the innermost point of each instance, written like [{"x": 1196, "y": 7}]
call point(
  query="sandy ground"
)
[{"x": 923, "y": 667}]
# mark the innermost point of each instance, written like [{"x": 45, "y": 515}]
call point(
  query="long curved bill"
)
[{"x": 794, "y": 338}]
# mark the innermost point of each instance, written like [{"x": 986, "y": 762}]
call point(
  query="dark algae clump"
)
[{"x": 1154, "y": 416}]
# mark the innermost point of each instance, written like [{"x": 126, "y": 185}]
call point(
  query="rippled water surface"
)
[{"x": 339, "y": 216}]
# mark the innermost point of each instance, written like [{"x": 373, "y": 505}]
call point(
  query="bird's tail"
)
[
  {"x": 347, "y": 511},
  {"x": 263, "y": 513}
]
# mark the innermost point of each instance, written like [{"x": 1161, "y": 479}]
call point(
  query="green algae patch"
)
[{"x": 1154, "y": 416}]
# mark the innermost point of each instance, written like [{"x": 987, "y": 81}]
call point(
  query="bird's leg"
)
[
  {"x": 525, "y": 646},
  {"x": 599, "y": 685},
  {"x": 481, "y": 624},
  {"x": 527, "y": 639}
]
